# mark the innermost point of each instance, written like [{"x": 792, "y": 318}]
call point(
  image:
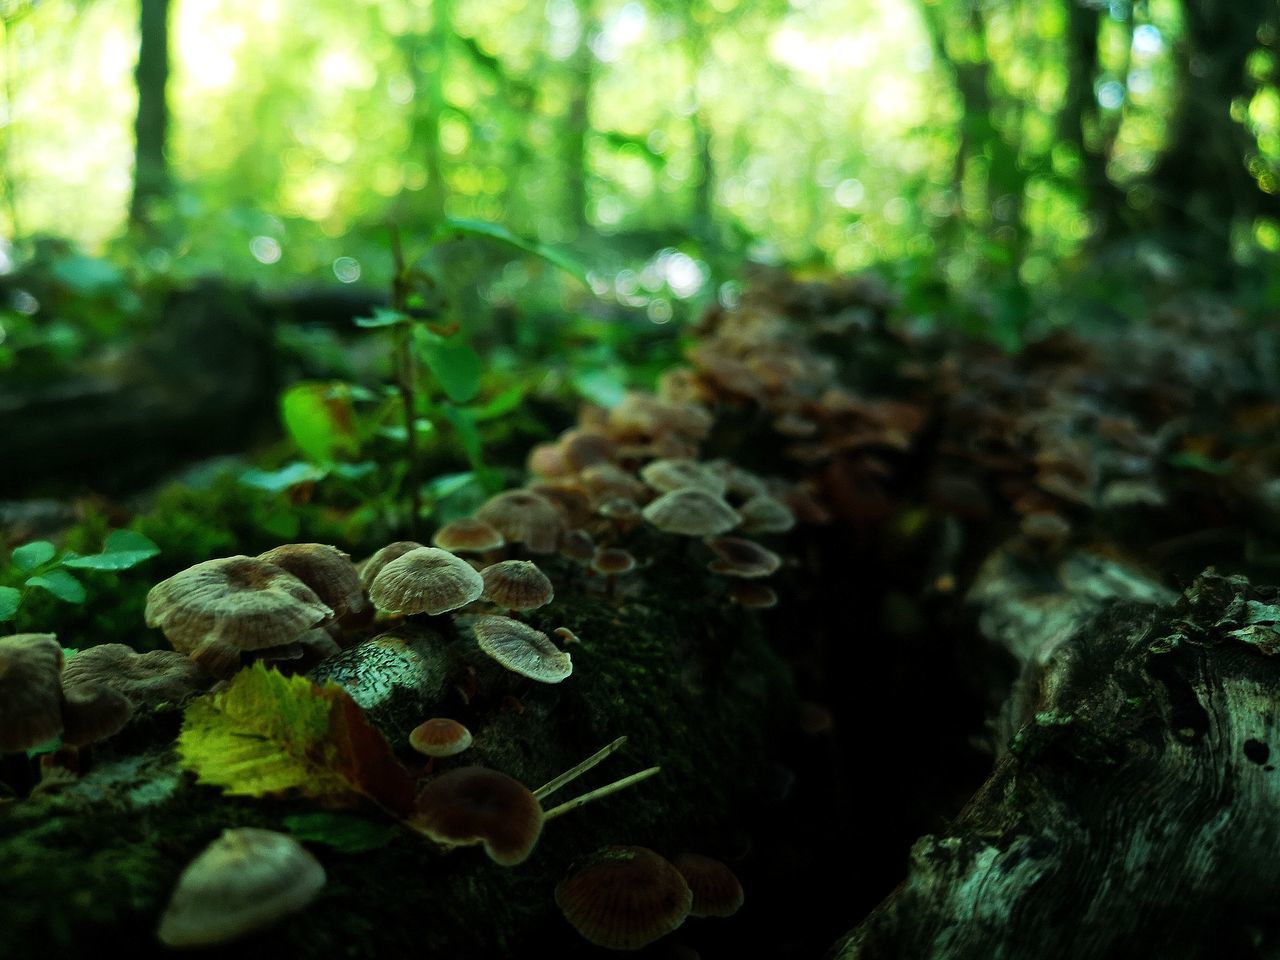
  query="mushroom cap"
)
[
  {"x": 752, "y": 595},
  {"x": 623, "y": 509},
  {"x": 742, "y": 558},
  {"x": 370, "y": 569},
  {"x": 30, "y": 697},
  {"x": 623, "y": 898},
  {"x": 472, "y": 805},
  {"x": 243, "y": 881},
  {"x": 606, "y": 481},
  {"x": 522, "y": 649},
  {"x": 326, "y": 570},
  {"x": 678, "y": 473},
  {"x": 468, "y": 535},
  {"x": 578, "y": 545},
  {"x": 92, "y": 712},
  {"x": 523, "y": 516},
  {"x": 516, "y": 585},
  {"x": 241, "y": 602},
  {"x": 691, "y": 512},
  {"x": 612, "y": 560},
  {"x": 716, "y": 891},
  {"x": 425, "y": 580},
  {"x": 587, "y": 448},
  {"x": 440, "y": 737},
  {"x": 766, "y": 514},
  {"x": 145, "y": 679}
]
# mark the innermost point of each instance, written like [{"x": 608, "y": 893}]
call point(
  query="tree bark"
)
[
  {"x": 1134, "y": 814},
  {"x": 151, "y": 180}
]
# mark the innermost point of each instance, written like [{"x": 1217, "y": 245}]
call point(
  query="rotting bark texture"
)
[{"x": 1136, "y": 812}]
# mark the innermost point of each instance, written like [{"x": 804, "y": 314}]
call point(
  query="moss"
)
[{"x": 684, "y": 674}]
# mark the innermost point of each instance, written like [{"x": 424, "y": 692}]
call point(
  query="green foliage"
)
[{"x": 40, "y": 566}]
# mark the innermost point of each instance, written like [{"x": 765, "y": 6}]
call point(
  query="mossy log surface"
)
[
  {"x": 1135, "y": 813},
  {"x": 686, "y": 676}
]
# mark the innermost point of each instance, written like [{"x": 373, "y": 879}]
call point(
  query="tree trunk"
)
[{"x": 151, "y": 172}]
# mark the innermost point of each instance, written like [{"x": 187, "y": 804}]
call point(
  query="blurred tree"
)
[{"x": 151, "y": 180}]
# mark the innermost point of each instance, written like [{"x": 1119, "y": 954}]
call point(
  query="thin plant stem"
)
[
  {"x": 576, "y": 802},
  {"x": 406, "y": 378},
  {"x": 576, "y": 771}
]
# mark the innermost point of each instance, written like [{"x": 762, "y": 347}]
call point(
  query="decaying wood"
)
[{"x": 1136, "y": 813}]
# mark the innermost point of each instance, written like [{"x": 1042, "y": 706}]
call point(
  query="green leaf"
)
[
  {"x": 354, "y": 471},
  {"x": 61, "y": 584},
  {"x": 265, "y": 734},
  {"x": 123, "y": 549},
  {"x": 468, "y": 435},
  {"x": 10, "y": 600},
  {"x": 1198, "y": 461},
  {"x": 343, "y": 832},
  {"x": 287, "y": 476},
  {"x": 604, "y": 388},
  {"x": 320, "y": 419},
  {"x": 33, "y": 554},
  {"x": 456, "y": 366},
  {"x": 461, "y": 227},
  {"x": 383, "y": 317},
  {"x": 500, "y": 405}
]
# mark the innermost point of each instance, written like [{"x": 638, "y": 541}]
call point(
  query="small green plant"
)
[
  {"x": 39, "y": 565},
  {"x": 435, "y": 391}
]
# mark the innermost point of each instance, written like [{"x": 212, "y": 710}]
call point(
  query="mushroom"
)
[
  {"x": 468, "y": 535},
  {"x": 145, "y": 679},
  {"x": 326, "y": 570},
  {"x": 425, "y": 580},
  {"x": 754, "y": 596},
  {"x": 370, "y": 569},
  {"x": 716, "y": 891},
  {"x": 439, "y": 737},
  {"x": 216, "y": 609},
  {"x": 516, "y": 585},
  {"x": 30, "y": 698},
  {"x": 624, "y": 897},
  {"x": 522, "y": 516},
  {"x": 691, "y": 512},
  {"x": 742, "y": 558},
  {"x": 522, "y": 649},
  {"x": 578, "y": 545},
  {"x": 92, "y": 712},
  {"x": 675, "y": 474},
  {"x": 612, "y": 561},
  {"x": 766, "y": 514},
  {"x": 476, "y": 805},
  {"x": 245, "y": 880}
]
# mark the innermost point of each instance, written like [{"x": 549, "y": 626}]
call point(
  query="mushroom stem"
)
[
  {"x": 596, "y": 794},
  {"x": 608, "y": 585},
  {"x": 576, "y": 771}
]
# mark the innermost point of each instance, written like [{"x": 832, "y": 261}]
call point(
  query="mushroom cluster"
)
[
  {"x": 626, "y": 897},
  {"x": 87, "y": 698}
]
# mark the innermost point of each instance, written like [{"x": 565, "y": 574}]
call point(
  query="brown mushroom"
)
[
  {"x": 524, "y": 517},
  {"x": 440, "y": 737},
  {"x": 692, "y": 513},
  {"x": 30, "y": 697},
  {"x": 623, "y": 898},
  {"x": 468, "y": 535},
  {"x": 742, "y": 558},
  {"x": 522, "y": 649},
  {"x": 216, "y": 609},
  {"x": 716, "y": 891},
  {"x": 516, "y": 585},
  {"x": 326, "y": 570},
  {"x": 474, "y": 805},
  {"x": 145, "y": 679},
  {"x": 426, "y": 580}
]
